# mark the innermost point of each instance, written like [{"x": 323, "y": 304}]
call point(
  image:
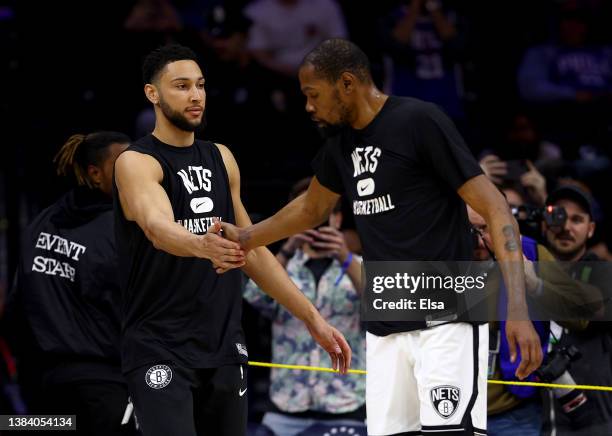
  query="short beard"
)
[
  {"x": 179, "y": 120},
  {"x": 566, "y": 255},
  {"x": 329, "y": 130}
]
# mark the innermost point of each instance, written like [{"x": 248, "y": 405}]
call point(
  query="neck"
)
[
  {"x": 168, "y": 133},
  {"x": 370, "y": 104},
  {"x": 571, "y": 257}
]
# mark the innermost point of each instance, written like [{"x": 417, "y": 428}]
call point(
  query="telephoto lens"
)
[{"x": 573, "y": 402}]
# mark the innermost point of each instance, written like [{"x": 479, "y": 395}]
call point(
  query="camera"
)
[
  {"x": 573, "y": 402},
  {"x": 530, "y": 219}
]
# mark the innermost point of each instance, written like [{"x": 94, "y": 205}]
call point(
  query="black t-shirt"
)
[
  {"x": 178, "y": 308},
  {"x": 401, "y": 174}
]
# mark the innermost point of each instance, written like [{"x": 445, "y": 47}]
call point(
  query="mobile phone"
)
[{"x": 515, "y": 168}]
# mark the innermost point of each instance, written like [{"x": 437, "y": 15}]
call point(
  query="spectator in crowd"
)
[
  {"x": 284, "y": 31},
  {"x": 569, "y": 244},
  {"x": 153, "y": 16},
  {"x": 524, "y": 141},
  {"x": 517, "y": 410},
  {"x": 423, "y": 45},
  {"x": 63, "y": 312},
  {"x": 570, "y": 82},
  {"x": 323, "y": 268},
  {"x": 569, "y": 70},
  {"x": 237, "y": 85},
  {"x": 519, "y": 171}
]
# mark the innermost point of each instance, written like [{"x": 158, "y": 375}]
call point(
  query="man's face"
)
[
  {"x": 572, "y": 238},
  {"x": 182, "y": 98},
  {"x": 479, "y": 223},
  {"x": 324, "y": 103}
]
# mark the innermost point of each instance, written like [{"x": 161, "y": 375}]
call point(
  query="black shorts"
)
[
  {"x": 99, "y": 407},
  {"x": 172, "y": 400}
]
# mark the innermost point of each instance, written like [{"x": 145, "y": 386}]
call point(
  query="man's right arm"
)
[
  {"x": 307, "y": 211},
  {"x": 144, "y": 201}
]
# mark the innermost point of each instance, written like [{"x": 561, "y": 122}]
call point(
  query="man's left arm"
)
[
  {"x": 486, "y": 199},
  {"x": 271, "y": 277}
]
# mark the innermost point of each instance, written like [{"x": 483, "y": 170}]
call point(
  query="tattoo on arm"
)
[{"x": 511, "y": 243}]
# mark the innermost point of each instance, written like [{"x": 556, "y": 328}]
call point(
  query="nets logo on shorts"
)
[
  {"x": 242, "y": 350},
  {"x": 445, "y": 400},
  {"x": 158, "y": 376}
]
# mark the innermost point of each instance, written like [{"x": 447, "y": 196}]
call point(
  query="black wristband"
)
[{"x": 288, "y": 255}]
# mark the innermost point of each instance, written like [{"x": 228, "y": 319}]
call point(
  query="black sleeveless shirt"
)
[{"x": 179, "y": 309}]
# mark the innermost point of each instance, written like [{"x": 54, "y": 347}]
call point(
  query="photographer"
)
[
  {"x": 517, "y": 410},
  {"x": 568, "y": 243},
  {"x": 323, "y": 268}
]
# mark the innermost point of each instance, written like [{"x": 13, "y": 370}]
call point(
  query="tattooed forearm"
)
[{"x": 511, "y": 242}]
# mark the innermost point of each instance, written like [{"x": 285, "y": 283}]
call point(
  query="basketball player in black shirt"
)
[
  {"x": 183, "y": 349},
  {"x": 408, "y": 173}
]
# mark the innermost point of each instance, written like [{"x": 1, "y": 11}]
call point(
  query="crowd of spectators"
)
[{"x": 528, "y": 85}]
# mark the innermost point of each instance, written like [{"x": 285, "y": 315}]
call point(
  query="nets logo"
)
[
  {"x": 445, "y": 400},
  {"x": 242, "y": 350},
  {"x": 158, "y": 376}
]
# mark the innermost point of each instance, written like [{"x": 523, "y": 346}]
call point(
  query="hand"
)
[
  {"x": 494, "y": 168},
  {"x": 535, "y": 183},
  {"x": 296, "y": 241},
  {"x": 222, "y": 253},
  {"x": 231, "y": 232},
  {"x": 522, "y": 333},
  {"x": 332, "y": 241},
  {"x": 333, "y": 342}
]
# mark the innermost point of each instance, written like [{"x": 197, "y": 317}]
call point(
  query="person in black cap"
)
[{"x": 569, "y": 244}]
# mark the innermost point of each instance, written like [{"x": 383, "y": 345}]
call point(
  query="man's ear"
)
[
  {"x": 591, "y": 230},
  {"x": 151, "y": 93},
  {"x": 347, "y": 81},
  {"x": 95, "y": 175}
]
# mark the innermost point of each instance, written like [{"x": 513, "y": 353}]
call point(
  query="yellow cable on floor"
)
[{"x": 495, "y": 382}]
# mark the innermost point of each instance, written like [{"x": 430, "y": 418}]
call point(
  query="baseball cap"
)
[{"x": 573, "y": 193}]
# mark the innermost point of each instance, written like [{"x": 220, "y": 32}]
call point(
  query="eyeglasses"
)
[{"x": 476, "y": 233}]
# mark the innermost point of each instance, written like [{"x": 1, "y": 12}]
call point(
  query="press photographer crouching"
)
[
  {"x": 518, "y": 410},
  {"x": 569, "y": 244}
]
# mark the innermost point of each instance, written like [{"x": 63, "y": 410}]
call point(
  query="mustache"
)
[{"x": 565, "y": 236}]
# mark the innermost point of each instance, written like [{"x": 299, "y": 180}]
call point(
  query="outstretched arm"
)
[
  {"x": 305, "y": 212},
  {"x": 272, "y": 278},
  {"x": 144, "y": 201},
  {"x": 485, "y": 199}
]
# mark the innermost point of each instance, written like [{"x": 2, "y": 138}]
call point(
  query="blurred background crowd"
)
[{"x": 528, "y": 84}]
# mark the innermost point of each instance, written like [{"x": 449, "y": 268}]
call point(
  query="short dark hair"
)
[
  {"x": 335, "y": 56},
  {"x": 156, "y": 61}
]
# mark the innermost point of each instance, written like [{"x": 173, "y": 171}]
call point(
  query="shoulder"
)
[
  {"x": 231, "y": 166},
  {"x": 226, "y": 153},
  {"x": 544, "y": 254},
  {"x": 133, "y": 161},
  {"x": 42, "y": 219},
  {"x": 409, "y": 108}
]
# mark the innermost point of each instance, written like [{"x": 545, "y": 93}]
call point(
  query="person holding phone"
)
[{"x": 328, "y": 273}]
